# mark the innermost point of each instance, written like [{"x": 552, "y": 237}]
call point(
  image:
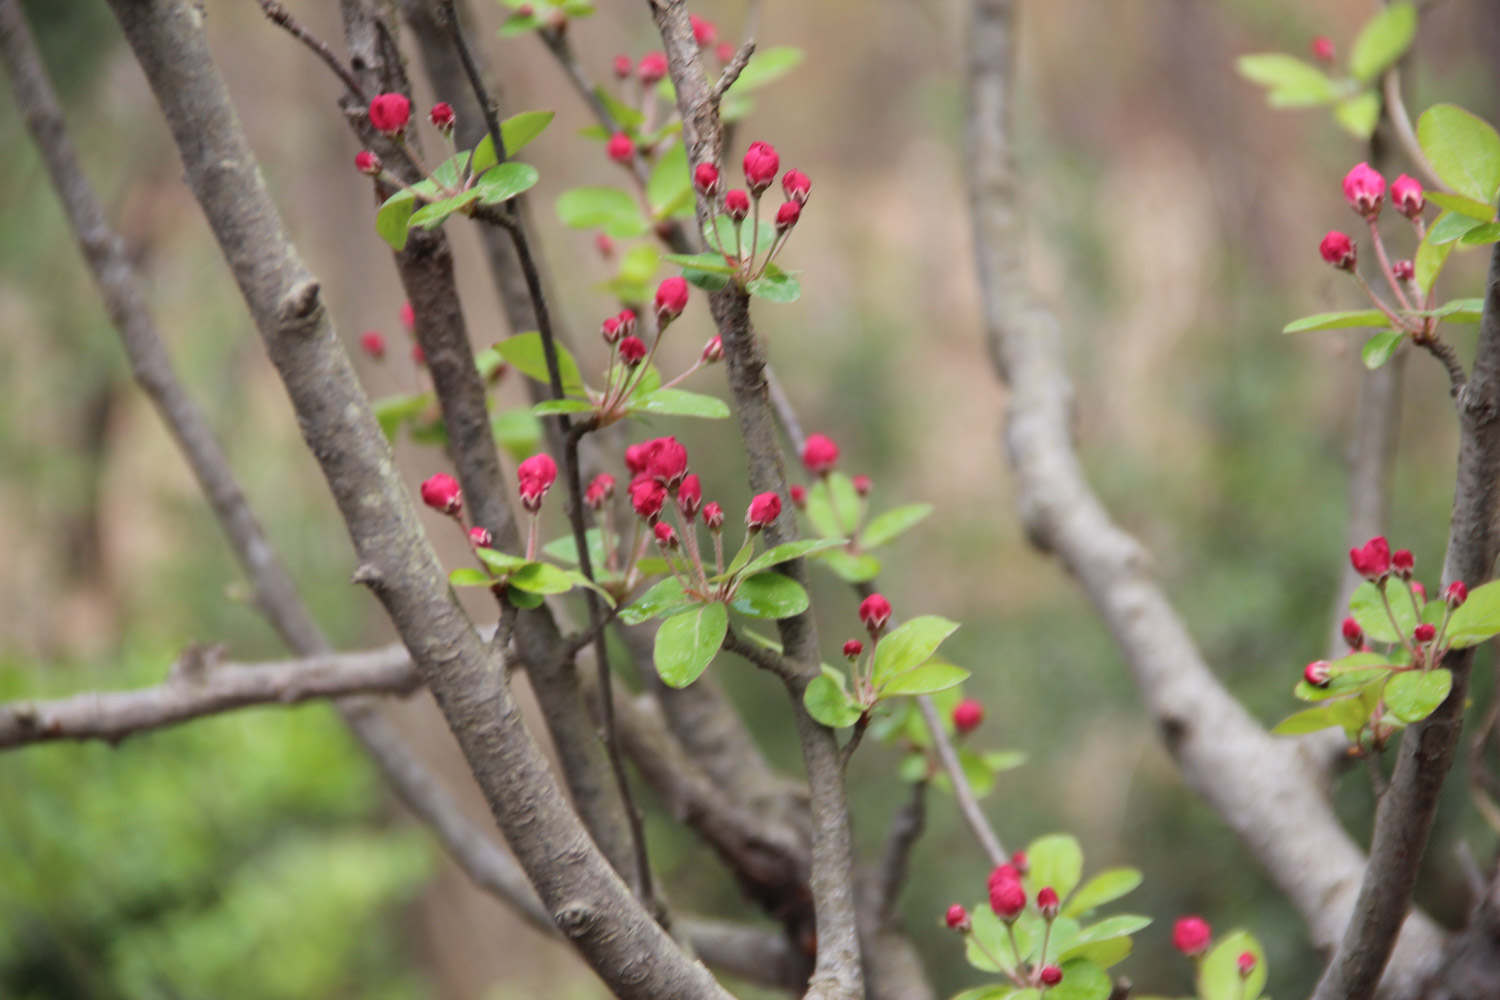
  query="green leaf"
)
[
  {"x": 851, "y": 568},
  {"x": 1289, "y": 81},
  {"x": 910, "y": 646},
  {"x": 500, "y": 563},
  {"x": 1449, "y": 227},
  {"x": 1485, "y": 232},
  {"x": 1119, "y": 925},
  {"x": 1337, "y": 321},
  {"x": 517, "y": 431},
  {"x": 1105, "y": 887},
  {"x": 1382, "y": 40},
  {"x": 515, "y": 132},
  {"x": 828, "y": 702},
  {"x": 524, "y": 351},
  {"x": 769, "y": 595},
  {"x": 687, "y": 643},
  {"x": 1477, "y": 619},
  {"x": 625, "y": 116},
  {"x": 892, "y": 524},
  {"x": 720, "y": 234},
  {"x": 519, "y": 24},
  {"x": 1346, "y": 676},
  {"x": 393, "y": 411},
  {"x": 930, "y": 677},
  {"x": 1413, "y": 695},
  {"x": 767, "y": 65},
  {"x": 1219, "y": 976},
  {"x": 775, "y": 286},
  {"x": 550, "y": 407},
  {"x": 1055, "y": 860},
  {"x": 504, "y": 182},
  {"x": 708, "y": 261},
  {"x": 565, "y": 550},
  {"x": 1105, "y": 953},
  {"x": 434, "y": 215},
  {"x": 1379, "y": 348},
  {"x": 1430, "y": 258},
  {"x": 1477, "y": 210},
  {"x": 665, "y": 597},
  {"x": 1463, "y": 149},
  {"x": 988, "y": 942},
  {"x": 844, "y": 498},
  {"x": 1082, "y": 980},
  {"x": 1309, "y": 720},
  {"x": 1460, "y": 310},
  {"x": 542, "y": 578},
  {"x": 681, "y": 403},
  {"x": 1367, "y": 608},
  {"x": 610, "y": 209},
  {"x": 669, "y": 182},
  {"x": 468, "y": 576},
  {"x": 706, "y": 280},
  {"x": 392, "y": 220},
  {"x": 1359, "y": 115},
  {"x": 522, "y": 599},
  {"x": 788, "y": 551}
]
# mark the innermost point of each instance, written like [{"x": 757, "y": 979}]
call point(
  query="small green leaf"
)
[
  {"x": 564, "y": 550},
  {"x": 910, "y": 646},
  {"x": 1477, "y": 619},
  {"x": 525, "y": 352},
  {"x": 767, "y": 65},
  {"x": 1485, "y": 232},
  {"x": 625, "y": 116},
  {"x": 468, "y": 576},
  {"x": 775, "y": 286},
  {"x": 1429, "y": 260},
  {"x": 1055, "y": 860},
  {"x": 522, "y": 599},
  {"x": 504, "y": 182},
  {"x": 517, "y": 431},
  {"x": 892, "y": 524},
  {"x": 851, "y": 568},
  {"x": 709, "y": 281},
  {"x": 1105, "y": 953},
  {"x": 667, "y": 596},
  {"x": 1082, "y": 980},
  {"x": 686, "y": 643},
  {"x": 1460, "y": 310},
  {"x": 1289, "y": 81},
  {"x": 769, "y": 595},
  {"x": 847, "y": 507},
  {"x": 610, "y": 209},
  {"x": 434, "y": 215},
  {"x": 1309, "y": 720},
  {"x": 1476, "y": 210},
  {"x": 1463, "y": 149},
  {"x": 1219, "y": 975},
  {"x": 542, "y": 578},
  {"x": 786, "y": 551},
  {"x": 988, "y": 943},
  {"x": 393, "y": 411},
  {"x": 1379, "y": 348},
  {"x": 516, "y": 131},
  {"x": 549, "y": 407},
  {"x": 681, "y": 403},
  {"x": 1119, "y": 925},
  {"x": 668, "y": 182},
  {"x": 1382, "y": 40},
  {"x": 1413, "y": 695},
  {"x": 708, "y": 261},
  {"x": 392, "y": 220},
  {"x": 1105, "y": 887},
  {"x": 1359, "y": 115},
  {"x": 930, "y": 677},
  {"x": 1337, "y": 321},
  {"x": 519, "y": 24},
  {"x": 828, "y": 702},
  {"x": 1368, "y": 609},
  {"x": 500, "y": 563},
  {"x": 1449, "y": 227}
]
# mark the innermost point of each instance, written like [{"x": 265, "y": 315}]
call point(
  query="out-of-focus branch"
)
[
  {"x": 1259, "y": 785},
  {"x": 906, "y": 829}
]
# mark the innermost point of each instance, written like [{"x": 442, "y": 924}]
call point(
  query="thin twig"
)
[
  {"x": 846, "y": 753},
  {"x": 767, "y": 659},
  {"x": 280, "y": 16},
  {"x": 733, "y": 70},
  {"x": 906, "y": 829},
  {"x": 968, "y": 805},
  {"x": 1444, "y": 352}
]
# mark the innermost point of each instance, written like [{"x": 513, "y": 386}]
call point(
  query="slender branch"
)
[
  {"x": 280, "y": 16},
  {"x": 767, "y": 659},
  {"x": 733, "y": 70},
  {"x": 1395, "y": 112},
  {"x": 1443, "y": 351},
  {"x": 963, "y": 792},
  {"x": 906, "y": 830}
]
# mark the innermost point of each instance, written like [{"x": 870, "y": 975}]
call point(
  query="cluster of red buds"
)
[
  {"x": 874, "y": 615},
  {"x": 820, "y": 456},
  {"x": 534, "y": 478},
  {"x": 760, "y": 165},
  {"x": 1008, "y": 901},
  {"x": 1193, "y": 937},
  {"x": 1365, "y": 192},
  {"x": 630, "y": 358},
  {"x": 390, "y": 114}
]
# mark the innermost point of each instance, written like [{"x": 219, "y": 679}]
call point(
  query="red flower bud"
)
[
  {"x": 852, "y": 648},
  {"x": 1403, "y": 270},
  {"x": 665, "y": 536},
  {"x": 1424, "y": 632},
  {"x": 1418, "y": 591},
  {"x": 623, "y": 67},
  {"x": 799, "y": 495},
  {"x": 1191, "y": 936},
  {"x": 1407, "y": 196},
  {"x": 690, "y": 496},
  {"x": 967, "y": 715},
  {"x": 1353, "y": 634},
  {"x": 713, "y": 516},
  {"x": 1322, "y": 49},
  {"x": 957, "y": 919},
  {"x": 1456, "y": 594},
  {"x": 373, "y": 344},
  {"x": 620, "y": 148},
  {"x": 706, "y": 179},
  {"x": 724, "y": 51},
  {"x": 1048, "y": 903},
  {"x": 796, "y": 186},
  {"x": 632, "y": 350},
  {"x": 1020, "y": 862},
  {"x": 627, "y": 321},
  {"x": 704, "y": 32},
  {"x": 1338, "y": 250},
  {"x": 536, "y": 476},
  {"x": 389, "y": 113},
  {"x": 666, "y": 461},
  {"x": 875, "y": 611},
  {"x": 604, "y": 245},
  {"x": 1364, "y": 190},
  {"x": 653, "y": 67},
  {"x": 713, "y": 350},
  {"x": 367, "y": 162},
  {"x": 862, "y": 485},
  {"x": 1373, "y": 559},
  {"x": 1245, "y": 964},
  {"x": 610, "y": 329},
  {"x": 1050, "y": 975},
  {"x": 761, "y": 164},
  {"x": 636, "y": 457},
  {"x": 1402, "y": 561},
  {"x": 408, "y": 316},
  {"x": 1007, "y": 899},
  {"x": 481, "y": 538},
  {"x": 671, "y": 299},
  {"x": 787, "y": 215},
  {"x": 1005, "y": 873},
  {"x": 441, "y": 493},
  {"x": 1317, "y": 674},
  {"x": 647, "y": 497},
  {"x": 764, "y": 509},
  {"x": 736, "y": 204},
  {"x": 442, "y": 116},
  {"x": 820, "y": 453},
  {"x": 600, "y": 490}
]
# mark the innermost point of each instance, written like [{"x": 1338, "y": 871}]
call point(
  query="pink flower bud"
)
[
  {"x": 599, "y": 491},
  {"x": 441, "y": 493},
  {"x": 632, "y": 350},
  {"x": 1425, "y": 632},
  {"x": 1322, "y": 49},
  {"x": 1317, "y": 674},
  {"x": 713, "y": 350},
  {"x": 389, "y": 113},
  {"x": 761, "y": 165},
  {"x": 1004, "y": 873},
  {"x": 647, "y": 497},
  {"x": 764, "y": 509},
  {"x": 627, "y": 321},
  {"x": 442, "y": 116},
  {"x": 724, "y": 51},
  {"x": 1402, "y": 561},
  {"x": 604, "y": 245},
  {"x": 367, "y": 162},
  {"x": 736, "y": 204},
  {"x": 481, "y": 538},
  {"x": 1407, "y": 196},
  {"x": 706, "y": 179},
  {"x": 636, "y": 457},
  {"x": 536, "y": 476},
  {"x": 623, "y": 67},
  {"x": 610, "y": 329},
  {"x": 1048, "y": 903},
  {"x": 653, "y": 67},
  {"x": 620, "y": 148},
  {"x": 671, "y": 299},
  {"x": 667, "y": 461},
  {"x": 819, "y": 454},
  {"x": 690, "y": 496},
  {"x": 796, "y": 186},
  {"x": 852, "y": 648},
  {"x": 967, "y": 715},
  {"x": 1418, "y": 591},
  {"x": 1191, "y": 936},
  {"x": 1353, "y": 634},
  {"x": 373, "y": 344},
  {"x": 1338, "y": 250},
  {"x": 704, "y": 32},
  {"x": 875, "y": 611},
  {"x": 799, "y": 495},
  {"x": 665, "y": 536},
  {"x": 787, "y": 215},
  {"x": 713, "y": 516},
  {"x": 1456, "y": 594},
  {"x": 957, "y": 919},
  {"x": 1245, "y": 964},
  {"x": 1020, "y": 862},
  {"x": 862, "y": 485},
  {"x": 1364, "y": 190},
  {"x": 1050, "y": 975},
  {"x": 1403, "y": 270},
  {"x": 408, "y": 316},
  {"x": 1373, "y": 559},
  {"x": 1007, "y": 899}
]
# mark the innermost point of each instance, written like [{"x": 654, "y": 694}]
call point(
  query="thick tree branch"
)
[{"x": 1259, "y": 785}]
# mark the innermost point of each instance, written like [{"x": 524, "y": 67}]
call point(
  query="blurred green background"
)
[{"x": 1173, "y": 228}]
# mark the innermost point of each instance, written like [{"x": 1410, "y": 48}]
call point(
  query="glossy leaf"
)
[
  {"x": 1337, "y": 321},
  {"x": 1218, "y": 975},
  {"x": 1476, "y": 210},
  {"x": 1477, "y": 619},
  {"x": 1449, "y": 227},
  {"x": 610, "y": 209},
  {"x": 681, "y": 403},
  {"x": 1382, "y": 40},
  {"x": 910, "y": 645},
  {"x": 988, "y": 943},
  {"x": 847, "y": 506},
  {"x": 993, "y": 992},
  {"x": 1104, "y": 953},
  {"x": 930, "y": 677},
  {"x": 391, "y": 221},
  {"x": 664, "y": 597},
  {"x": 542, "y": 578},
  {"x": 500, "y": 563},
  {"x": 786, "y": 551},
  {"x": 468, "y": 576},
  {"x": 504, "y": 182},
  {"x": 1290, "y": 82},
  {"x": 515, "y": 132},
  {"x": 434, "y": 215},
  {"x": 686, "y": 643},
  {"x": 893, "y": 523},
  {"x": 1105, "y": 887},
  {"x": 828, "y": 702},
  {"x": 1485, "y": 232},
  {"x": 525, "y": 353},
  {"x": 1082, "y": 980},
  {"x": 775, "y": 286},
  {"x": 523, "y": 599},
  {"x": 1463, "y": 149},
  {"x": 1379, "y": 348},
  {"x": 1055, "y": 860},
  {"x": 1119, "y": 925},
  {"x": 1413, "y": 695},
  {"x": 1311, "y": 720},
  {"x": 565, "y": 550},
  {"x": 1369, "y": 610},
  {"x": 769, "y": 595}
]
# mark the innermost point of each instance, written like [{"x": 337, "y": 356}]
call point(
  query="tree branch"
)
[{"x": 906, "y": 830}]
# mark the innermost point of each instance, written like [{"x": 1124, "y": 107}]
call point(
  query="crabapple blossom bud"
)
[
  {"x": 408, "y": 316},
  {"x": 1373, "y": 559},
  {"x": 536, "y": 476},
  {"x": 724, "y": 51},
  {"x": 667, "y": 462},
  {"x": 690, "y": 496},
  {"x": 1353, "y": 634},
  {"x": 1007, "y": 899},
  {"x": 647, "y": 497},
  {"x": 671, "y": 299},
  {"x": 1191, "y": 936},
  {"x": 967, "y": 715},
  {"x": 636, "y": 457},
  {"x": 665, "y": 536},
  {"x": 957, "y": 919},
  {"x": 1364, "y": 190},
  {"x": 632, "y": 350},
  {"x": 442, "y": 116},
  {"x": 481, "y": 538},
  {"x": 787, "y": 215},
  {"x": 627, "y": 322},
  {"x": 796, "y": 186},
  {"x": 653, "y": 67},
  {"x": 875, "y": 611},
  {"x": 862, "y": 485},
  {"x": 373, "y": 344},
  {"x": 620, "y": 148},
  {"x": 1048, "y": 903},
  {"x": 599, "y": 490},
  {"x": 713, "y": 350},
  {"x": 1245, "y": 964},
  {"x": 1338, "y": 250},
  {"x": 1050, "y": 975},
  {"x": 713, "y": 516},
  {"x": 441, "y": 493},
  {"x": 610, "y": 329},
  {"x": 604, "y": 245},
  {"x": 1317, "y": 674},
  {"x": 852, "y": 648},
  {"x": 736, "y": 204},
  {"x": 1424, "y": 632},
  {"x": 1322, "y": 49},
  {"x": 1456, "y": 594},
  {"x": 1402, "y": 561},
  {"x": 623, "y": 67},
  {"x": 706, "y": 179},
  {"x": 799, "y": 495},
  {"x": 1418, "y": 591},
  {"x": 1020, "y": 862},
  {"x": 389, "y": 113},
  {"x": 1002, "y": 873},
  {"x": 764, "y": 509},
  {"x": 1407, "y": 196},
  {"x": 761, "y": 164},
  {"x": 704, "y": 32},
  {"x": 1403, "y": 270},
  {"x": 367, "y": 162},
  {"x": 820, "y": 453}
]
